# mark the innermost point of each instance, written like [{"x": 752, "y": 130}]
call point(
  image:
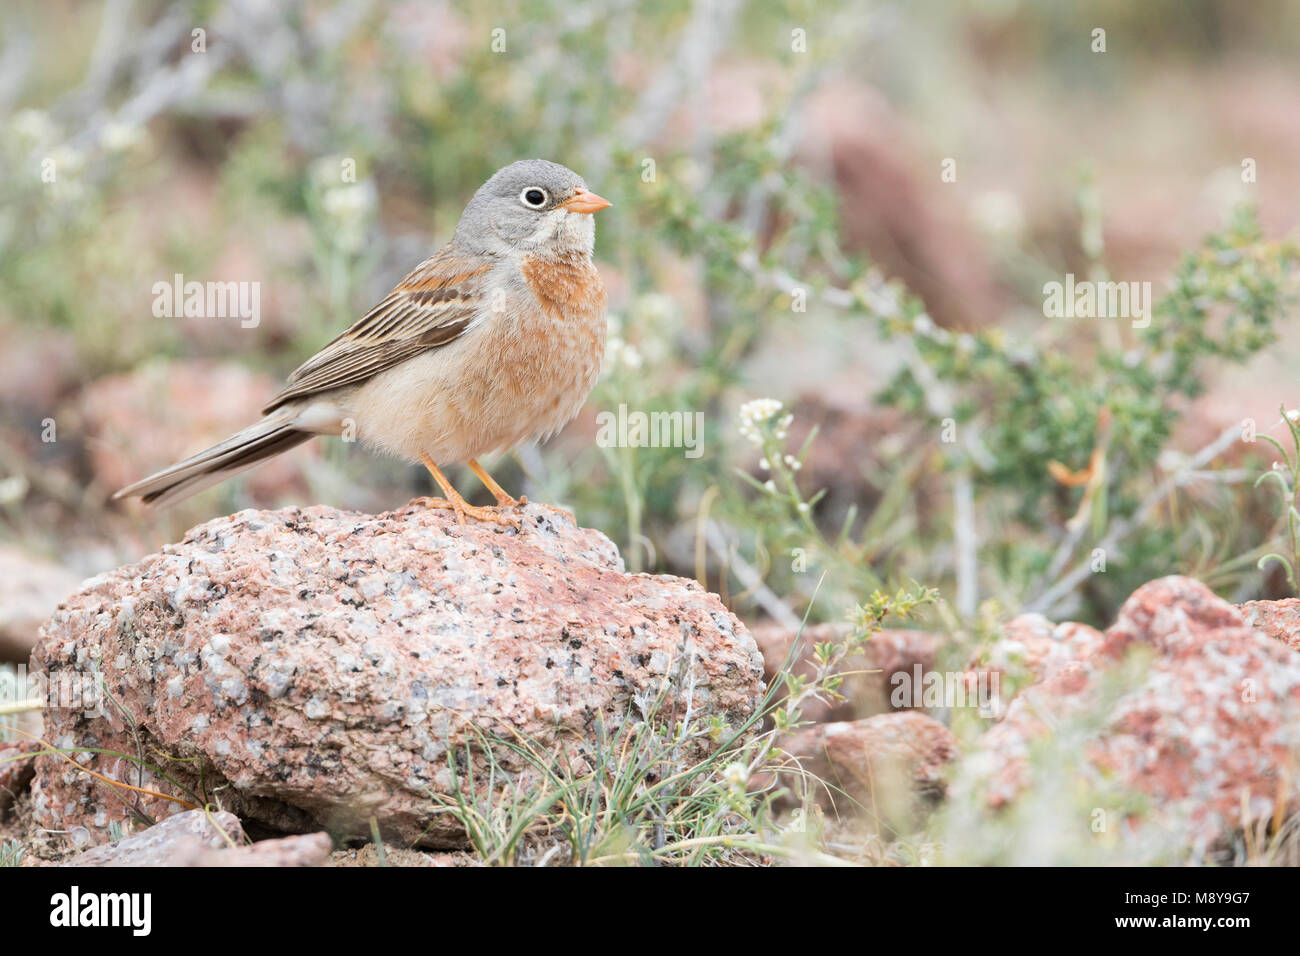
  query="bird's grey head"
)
[{"x": 530, "y": 206}]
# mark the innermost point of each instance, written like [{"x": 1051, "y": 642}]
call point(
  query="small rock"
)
[
  {"x": 306, "y": 849},
  {"x": 30, "y": 590},
  {"x": 195, "y": 838},
  {"x": 891, "y": 766},
  {"x": 171, "y": 842},
  {"x": 1279, "y": 619},
  {"x": 1030, "y": 649}
]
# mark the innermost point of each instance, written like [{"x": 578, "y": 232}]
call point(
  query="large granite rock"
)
[{"x": 310, "y": 668}]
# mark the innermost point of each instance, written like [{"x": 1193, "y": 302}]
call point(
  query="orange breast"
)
[
  {"x": 567, "y": 287},
  {"x": 557, "y": 349}
]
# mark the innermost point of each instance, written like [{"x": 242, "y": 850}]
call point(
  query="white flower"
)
[
  {"x": 12, "y": 489},
  {"x": 999, "y": 214},
  {"x": 756, "y": 413},
  {"x": 1022, "y": 353},
  {"x": 67, "y": 161},
  {"x": 1293, "y": 414},
  {"x": 782, "y": 427},
  {"x": 119, "y": 137},
  {"x": 619, "y": 352},
  {"x": 760, "y": 410},
  {"x": 736, "y": 774},
  {"x": 630, "y": 356},
  {"x": 923, "y": 325},
  {"x": 765, "y": 464},
  {"x": 348, "y": 201},
  {"x": 33, "y": 126},
  {"x": 655, "y": 307}
]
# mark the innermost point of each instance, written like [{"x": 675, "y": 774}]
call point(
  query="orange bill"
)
[{"x": 584, "y": 200}]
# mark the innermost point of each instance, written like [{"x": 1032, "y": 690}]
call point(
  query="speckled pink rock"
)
[
  {"x": 195, "y": 838},
  {"x": 1030, "y": 649},
  {"x": 1212, "y": 723},
  {"x": 310, "y": 668},
  {"x": 1280, "y": 619}
]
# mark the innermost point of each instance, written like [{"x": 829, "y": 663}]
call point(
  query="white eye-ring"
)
[{"x": 534, "y": 197}]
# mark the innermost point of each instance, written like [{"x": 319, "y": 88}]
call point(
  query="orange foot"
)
[{"x": 463, "y": 508}]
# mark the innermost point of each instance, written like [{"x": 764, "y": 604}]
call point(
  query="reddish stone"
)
[
  {"x": 200, "y": 838},
  {"x": 888, "y": 764},
  {"x": 320, "y": 667},
  {"x": 1209, "y": 729},
  {"x": 1030, "y": 649},
  {"x": 1280, "y": 619}
]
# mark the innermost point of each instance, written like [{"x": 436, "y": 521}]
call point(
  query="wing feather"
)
[{"x": 432, "y": 306}]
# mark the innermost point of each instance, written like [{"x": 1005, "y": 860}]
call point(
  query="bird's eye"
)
[{"x": 534, "y": 197}]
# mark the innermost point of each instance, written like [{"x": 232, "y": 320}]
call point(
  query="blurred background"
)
[{"x": 848, "y": 208}]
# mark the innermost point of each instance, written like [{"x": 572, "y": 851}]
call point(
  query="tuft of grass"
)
[{"x": 637, "y": 793}]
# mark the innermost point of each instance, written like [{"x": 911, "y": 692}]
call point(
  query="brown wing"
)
[{"x": 432, "y": 306}]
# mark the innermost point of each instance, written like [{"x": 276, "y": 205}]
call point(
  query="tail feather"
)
[{"x": 239, "y": 452}]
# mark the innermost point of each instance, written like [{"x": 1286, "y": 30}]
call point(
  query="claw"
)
[
  {"x": 492, "y": 514},
  {"x": 562, "y": 511},
  {"x": 465, "y": 510}
]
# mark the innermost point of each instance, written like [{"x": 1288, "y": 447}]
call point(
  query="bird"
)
[{"x": 493, "y": 341}]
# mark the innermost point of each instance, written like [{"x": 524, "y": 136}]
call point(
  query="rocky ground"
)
[{"x": 318, "y": 674}]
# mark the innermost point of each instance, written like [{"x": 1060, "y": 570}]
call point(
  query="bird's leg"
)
[
  {"x": 503, "y": 500},
  {"x": 459, "y": 505}
]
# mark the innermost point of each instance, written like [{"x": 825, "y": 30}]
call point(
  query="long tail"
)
[{"x": 269, "y": 437}]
